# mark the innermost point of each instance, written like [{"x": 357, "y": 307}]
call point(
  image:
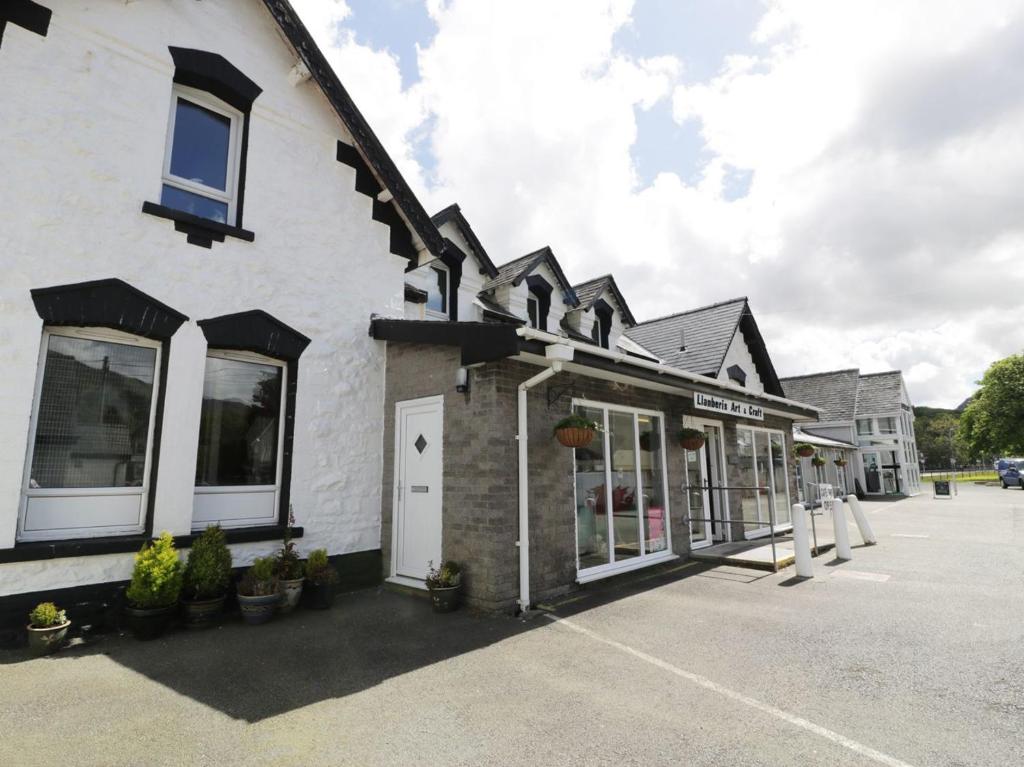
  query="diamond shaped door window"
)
[{"x": 420, "y": 444}]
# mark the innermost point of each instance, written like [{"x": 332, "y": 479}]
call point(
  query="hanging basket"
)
[
  {"x": 818, "y": 461},
  {"x": 692, "y": 439},
  {"x": 804, "y": 450},
  {"x": 840, "y": 462},
  {"x": 574, "y": 436}
]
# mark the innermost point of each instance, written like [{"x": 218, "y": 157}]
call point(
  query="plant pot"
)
[
  {"x": 840, "y": 464},
  {"x": 818, "y": 463},
  {"x": 148, "y": 623},
  {"x": 46, "y": 640},
  {"x": 692, "y": 443},
  {"x": 572, "y": 436},
  {"x": 318, "y": 596},
  {"x": 202, "y": 613},
  {"x": 445, "y": 600},
  {"x": 257, "y": 610},
  {"x": 291, "y": 591},
  {"x": 805, "y": 452}
]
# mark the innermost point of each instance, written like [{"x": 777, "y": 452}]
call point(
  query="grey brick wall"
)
[{"x": 480, "y": 517}]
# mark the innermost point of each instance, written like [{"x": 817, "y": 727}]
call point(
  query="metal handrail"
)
[{"x": 771, "y": 513}]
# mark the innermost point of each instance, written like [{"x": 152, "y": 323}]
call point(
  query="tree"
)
[
  {"x": 993, "y": 423},
  {"x": 933, "y": 428}
]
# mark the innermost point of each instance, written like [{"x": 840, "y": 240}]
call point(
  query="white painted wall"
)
[
  {"x": 85, "y": 117},
  {"x": 739, "y": 354},
  {"x": 470, "y": 285}
]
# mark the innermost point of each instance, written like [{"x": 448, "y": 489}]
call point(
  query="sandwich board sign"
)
[{"x": 943, "y": 488}]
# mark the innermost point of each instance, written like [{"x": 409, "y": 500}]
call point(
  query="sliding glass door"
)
[{"x": 763, "y": 476}]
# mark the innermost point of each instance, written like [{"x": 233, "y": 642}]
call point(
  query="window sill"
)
[
  {"x": 199, "y": 231},
  {"x": 243, "y": 535}
]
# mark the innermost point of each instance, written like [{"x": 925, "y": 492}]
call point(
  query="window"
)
[
  {"x": 238, "y": 469},
  {"x": 886, "y": 425},
  {"x": 762, "y": 465},
  {"x": 621, "y": 496},
  {"x": 863, "y": 426},
  {"x": 202, "y": 156},
  {"x": 87, "y": 472},
  {"x": 533, "y": 311},
  {"x": 437, "y": 291}
]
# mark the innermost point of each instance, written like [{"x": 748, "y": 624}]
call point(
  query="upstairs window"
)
[
  {"x": 863, "y": 426},
  {"x": 533, "y": 312},
  {"x": 886, "y": 425},
  {"x": 202, "y": 156},
  {"x": 437, "y": 291}
]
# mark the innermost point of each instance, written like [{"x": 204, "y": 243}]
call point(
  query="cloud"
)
[{"x": 862, "y": 187}]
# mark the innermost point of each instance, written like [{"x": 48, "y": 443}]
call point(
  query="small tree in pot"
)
[
  {"x": 47, "y": 628},
  {"x": 155, "y": 587},
  {"x": 206, "y": 579},
  {"x": 803, "y": 449},
  {"x": 257, "y": 591},
  {"x": 289, "y": 570},
  {"x": 445, "y": 583},
  {"x": 321, "y": 578},
  {"x": 692, "y": 439},
  {"x": 575, "y": 431}
]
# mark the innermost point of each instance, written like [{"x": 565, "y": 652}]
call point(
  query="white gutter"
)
[
  {"x": 658, "y": 367},
  {"x": 557, "y": 355}
]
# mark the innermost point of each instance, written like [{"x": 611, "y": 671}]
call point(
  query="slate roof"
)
[
  {"x": 453, "y": 213},
  {"x": 708, "y": 332},
  {"x": 494, "y": 310},
  {"x": 880, "y": 393},
  {"x": 518, "y": 269},
  {"x": 834, "y": 393},
  {"x": 588, "y": 292}
]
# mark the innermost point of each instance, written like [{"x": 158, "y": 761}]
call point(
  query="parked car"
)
[
  {"x": 1012, "y": 475},
  {"x": 1004, "y": 463}
]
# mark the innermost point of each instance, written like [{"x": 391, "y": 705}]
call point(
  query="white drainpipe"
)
[{"x": 557, "y": 354}]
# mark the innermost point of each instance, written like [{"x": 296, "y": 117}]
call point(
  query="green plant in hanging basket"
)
[
  {"x": 818, "y": 461},
  {"x": 803, "y": 449},
  {"x": 692, "y": 439},
  {"x": 575, "y": 431},
  {"x": 840, "y": 462}
]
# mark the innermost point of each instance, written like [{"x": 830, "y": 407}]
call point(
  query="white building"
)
[{"x": 198, "y": 225}]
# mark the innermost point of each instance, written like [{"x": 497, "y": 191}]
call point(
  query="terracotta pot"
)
[
  {"x": 257, "y": 610},
  {"x": 291, "y": 591},
  {"x": 572, "y": 436},
  {"x": 445, "y": 600},
  {"x": 202, "y": 613},
  {"x": 805, "y": 452},
  {"x": 148, "y": 623},
  {"x": 47, "y": 640},
  {"x": 692, "y": 443}
]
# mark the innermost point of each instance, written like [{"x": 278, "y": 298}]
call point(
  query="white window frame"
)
[
  {"x": 71, "y": 532},
  {"x": 198, "y": 525},
  {"x": 214, "y": 104},
  {"x": 535, "y": 323},
  {"x": 436, "y": 268},
  {"x": 644, "y": 559},
  {"x": 888, "y": 432},
  {"x": 867, "y": 433},
  {"x": 760, "y": 532}
]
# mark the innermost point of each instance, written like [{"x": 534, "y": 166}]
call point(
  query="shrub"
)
[
  {"x": 208, "y": 568},
  {"x": 576, "y": 421},
  {"x": 447, "y": 575},
  {"x": 288, "y": 565},
  {"x": 319, "y": 570},
  {"x": 260, "y": 580},
  {"x": 156, "y": 579},
  {"x": 45, "y": 615}
]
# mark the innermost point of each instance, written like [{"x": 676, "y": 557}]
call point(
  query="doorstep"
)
[{"x": 757, "y": 553}]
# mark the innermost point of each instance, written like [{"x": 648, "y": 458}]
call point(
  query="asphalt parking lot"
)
[{"x": 910, "y": 654}]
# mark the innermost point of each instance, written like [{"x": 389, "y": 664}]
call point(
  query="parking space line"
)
[
  {"x": 910, "y": 535},
  {"x": 701, "y": 681}
]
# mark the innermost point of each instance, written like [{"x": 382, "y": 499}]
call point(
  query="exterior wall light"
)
[{"x": 462, "y": 380}]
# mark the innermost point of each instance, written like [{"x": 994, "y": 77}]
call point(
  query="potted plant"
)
[
  {"x": 154, "y": 589},
  {"x": 257, "y": 591},
  {"x": 650, "y": 441},
  {"x": 206, "y": 578},
  {"x": 840, "y": 462},
  {"x": 692, "y": 439},
  {"x": 445, "y": 583},
  {"x": 321, "y": 578},
  {"x": 803, "y": 449},
  {"x": 575, "y": 431},
  {"x": 817, "y": 461},
  {"x": 288, "y": 567},
  {"x": 47, "y": 628}
]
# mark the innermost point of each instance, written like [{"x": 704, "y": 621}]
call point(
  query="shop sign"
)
[{"x": 725, "y": 406}]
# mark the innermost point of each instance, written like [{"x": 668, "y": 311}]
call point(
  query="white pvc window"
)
[
  {"x": 886, "y": 425},
  {"x": 90, "y": 443},
  {"x": 863, "y": 426},
  {"x": 201, "y": 159},
  {"x": 241, "y": 440},
  {"x": 621, "y": 492}
]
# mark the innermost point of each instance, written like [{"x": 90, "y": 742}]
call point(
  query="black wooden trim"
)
[
  {"x": 109, "y": 303},
  {"x": 737, "y": 374},
  {"x": 214, "y": 74},
  {"x": 453, "y": 257},
  {"x": 79, "y": 547},
  {"x": 414, "y": 295},
  {"x": 604, "y": 313},
  {"x": 154, "y": 463},
  {"x": 759, "y": 352},
  {"x": 254, "y": 331},
  {"x": 25, "y": 14},
  {"x": 200, "y": 231},
  {"x": 400, "y": 242},
  {"x": 454, "y": 213},
  {"x": 479, "y": 341},
  {"x": 366, "y": 183},
  {"x": 254, "y": 534},
  {"x": 541, "y": 290},
  {"x": 289, "y": 441},
  {"x": 242, "y": 165}
]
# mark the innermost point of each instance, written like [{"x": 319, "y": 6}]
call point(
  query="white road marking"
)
[
  {"x": 778, "y": 713},
  {"x": 909, "y": 535},
  {"x": 860, "y": 575}
]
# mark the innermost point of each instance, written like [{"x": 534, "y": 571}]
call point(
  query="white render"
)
[
  {"x": 739, "y": 354},
  {"x": 84, "y": 136}
]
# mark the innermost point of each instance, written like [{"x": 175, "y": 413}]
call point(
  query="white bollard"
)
[
  {"x": 862, "y": 521},
  {"x": 843, "y": 550},
  {"x": 801, "y": 542}
]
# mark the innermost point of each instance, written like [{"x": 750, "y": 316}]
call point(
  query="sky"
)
[{"x": 855, "y": 168}]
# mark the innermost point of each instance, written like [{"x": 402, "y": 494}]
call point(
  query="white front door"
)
[
  {"x": 416, "y": 540},
  {"x": 704, "y": 488}
]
